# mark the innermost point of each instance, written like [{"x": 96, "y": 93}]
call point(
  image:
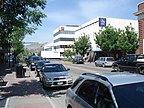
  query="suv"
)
[
  {"x": 104, "y": 61},
  {"x": 106, "y": 90},
  {"x": 78, "y": 59}
]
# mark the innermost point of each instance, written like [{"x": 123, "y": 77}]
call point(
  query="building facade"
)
[
  {"x": 64, "y": 36},
  {"x": 97, "y": 24},
  {"x": 140, "y": 15},
  {"x": 63, "y": 39}
]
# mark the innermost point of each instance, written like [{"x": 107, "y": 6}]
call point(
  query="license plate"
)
[{"x": 60, "y": 83}]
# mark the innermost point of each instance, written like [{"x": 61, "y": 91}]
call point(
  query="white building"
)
[
  {"x": 97, "y": 24},
  {"x": 64, "y": 36},
  {"x": 63, "y": 39}
]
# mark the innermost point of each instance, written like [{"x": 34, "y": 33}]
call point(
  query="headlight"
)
[{"x": 48, "y": 79}]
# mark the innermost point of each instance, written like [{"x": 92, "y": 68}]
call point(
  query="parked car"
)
[
  {"x": 55, "y": 75},
  {"x": 106, "y": 90},
  {"x": 33, "y": 60},
  {"x": 104, "y": 61},
  {"x": 40, "y": 64},
  {"x": 130, "y": 62},
  {"x": 78, "y": 59}
]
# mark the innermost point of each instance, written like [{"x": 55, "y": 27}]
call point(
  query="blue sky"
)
[{"x": 77, "y": 12}]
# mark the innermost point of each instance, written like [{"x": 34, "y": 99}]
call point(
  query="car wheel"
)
[
  {"x": 69, "y": 106},
  {"x": 96, "y": 64},
  {"x": 142, "y": 71},
  {"x": 103, "y": 65},
  {"x": 116, "y": 68}
]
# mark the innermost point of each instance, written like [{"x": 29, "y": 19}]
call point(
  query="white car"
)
[{"x": 104, "y": 61}]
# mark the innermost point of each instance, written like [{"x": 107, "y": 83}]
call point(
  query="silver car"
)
[
  {"x": 55, "y": 75},
  {"x": 106, "y": 90},
  {"x": 104, "y": 61}
]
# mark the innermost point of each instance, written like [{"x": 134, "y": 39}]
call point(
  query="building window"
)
[
  {"x": 63, "y": 32},
  {"x": 64, "y": 39}
]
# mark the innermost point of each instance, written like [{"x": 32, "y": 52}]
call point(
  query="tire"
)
[
  {"x": 103, "y": 65},
  {"x": 116, "y": 68},
  {"x": 96, "y": 64},
  {"x": 142, "y": 71}
]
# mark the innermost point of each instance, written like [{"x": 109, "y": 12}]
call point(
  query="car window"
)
[
  {"x": 130, "y": 95},
  {"x": 36, "y": 58},
  {"x": 54, "y": 68},
  {"x": 110, "y": 59},
  {"x": 77, "y": 82},
  {"x": 95, "y": 94},
  {"x": 103, "y": 97},
  {"x": 102, "y": 59},
  {"x": 87, "y": 92}
]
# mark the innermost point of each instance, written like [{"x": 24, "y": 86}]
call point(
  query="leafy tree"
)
[
  {"x": 128, "y": 40},
  {"x": 82, "y": 45},
  {"x": 18, "y": 18},
  {"x": 107, "y": 39},
  {"x": 68, "y": 53},
  {"x": 112, "y": 39}
]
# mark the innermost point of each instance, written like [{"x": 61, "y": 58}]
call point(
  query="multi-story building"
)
[
  {"x": 64, "y": 36},
  {"x": 63, "y": 39}
]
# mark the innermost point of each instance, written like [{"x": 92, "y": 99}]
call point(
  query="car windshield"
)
[
  {"x": 40, "y": 63},
  {"x": 79, "y": 57},
  {"x": 110, "y": 59},
  {"x": 54, "y": 68},
  {"x": 36, "y": 58},
  {"x": 130, "y": 95}
]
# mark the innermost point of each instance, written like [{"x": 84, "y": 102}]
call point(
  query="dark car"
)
[
  {"x": 40, "y": 64},
  {"x": 55, "y": 75},
  {"x": 78, "y": 59},
  {"x": 33, "y": 60}
]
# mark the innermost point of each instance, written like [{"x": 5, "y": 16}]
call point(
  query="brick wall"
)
[{"x": 141, "y": 30}]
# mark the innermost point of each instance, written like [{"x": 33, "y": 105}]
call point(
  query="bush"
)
[{"x": 67, "y": 59}]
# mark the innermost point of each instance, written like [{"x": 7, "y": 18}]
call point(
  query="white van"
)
[{"x": 104, "y": 61}]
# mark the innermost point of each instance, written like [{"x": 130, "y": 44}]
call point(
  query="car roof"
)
[
  {"x": 51, "y": 63},
  {"x": 121, "y": 78},
  {"x": 105, "y": 57}
]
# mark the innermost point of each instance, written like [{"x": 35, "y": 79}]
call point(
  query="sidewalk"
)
[{"x": 24, "y": 92}]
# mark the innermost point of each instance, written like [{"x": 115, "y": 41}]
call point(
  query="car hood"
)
[{"x": 56, "y": 74}]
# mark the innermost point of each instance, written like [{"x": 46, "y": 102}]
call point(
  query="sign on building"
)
[{"x": 102, "y": 21}]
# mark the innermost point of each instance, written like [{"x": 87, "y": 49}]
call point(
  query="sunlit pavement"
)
[{"x": 25, "y": 92}]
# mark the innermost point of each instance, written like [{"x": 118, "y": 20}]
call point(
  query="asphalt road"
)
[{"x": 57, "y": 95}]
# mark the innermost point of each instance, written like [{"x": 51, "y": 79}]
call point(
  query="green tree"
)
[
  {"x": 82, "y": 45},
  {"x": 128, "y": 40},
  {"x": 112, "y": 40},
  {"x": 19, "y": 16},
  {"x": 68, "y": 53}
]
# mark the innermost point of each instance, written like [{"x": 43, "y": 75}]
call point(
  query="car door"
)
[
  {"x": 86, "y": 95},
  {"x": 103, "y": 97}
]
